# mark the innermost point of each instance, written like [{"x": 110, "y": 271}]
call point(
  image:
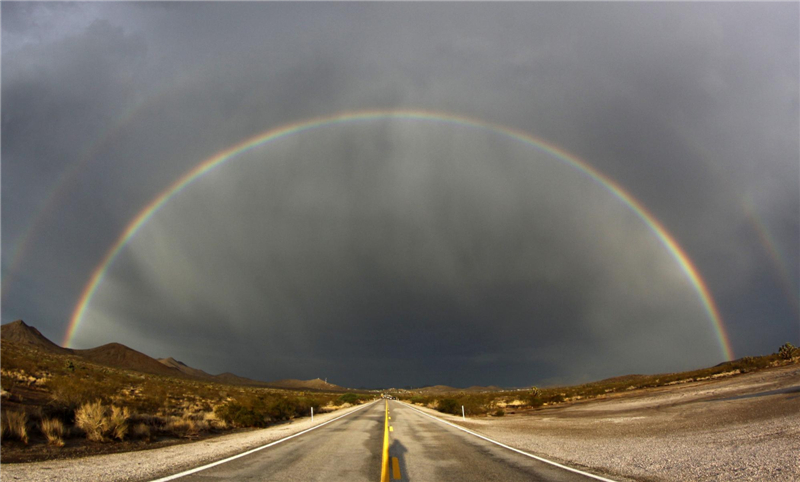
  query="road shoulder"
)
[{"x": 146, "y": 465}]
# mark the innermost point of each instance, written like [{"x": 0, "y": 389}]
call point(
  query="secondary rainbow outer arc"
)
[{"x": 205, "y": 166}]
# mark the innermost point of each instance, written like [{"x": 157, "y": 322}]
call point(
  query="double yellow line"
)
[{"x": 385, "y": 456}]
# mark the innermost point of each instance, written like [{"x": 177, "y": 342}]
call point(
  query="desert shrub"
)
[
  {"x": 15, "y": 425},
  {"x": 91, "y": 418},
  {"x": 53, "y": 429},
  {"x": 238, "y": 415},
  {"x": 60, "y": 411},
  {"x": 186, "y": 427},
  {"x": 786, "y": 351},
  {"x": 535, "y": 401},
  {"x": 350, "y": 398},
  {"x": 476, "y": 404},
  {"x": 117, "y": 424},
  {"x": 141, "y": 431},
  {"x": 449, "y": 405},
  {"x": 178, "y": 427},
  {"x": 153, "y": 422},
  {"x": 499, "y": 412},
  {"x": 281, "y": 409},
  {"x": 214, "y": 421},
  {"x": 535, "y": 397},
  {"x": 555, "y": 398},
  {"x": 68, "y": 393},
  {"x": 303, "y": 406}
]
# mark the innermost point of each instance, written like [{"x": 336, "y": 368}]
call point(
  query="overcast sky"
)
[{"x": 405, "y": 252}]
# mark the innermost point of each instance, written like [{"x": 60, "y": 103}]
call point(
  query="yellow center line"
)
[{"x": 385, "y": 456}]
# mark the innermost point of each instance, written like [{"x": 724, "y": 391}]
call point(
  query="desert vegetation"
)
[
  {"x": 499, "y": 402},
  {"x": 15, "y": 426},
  {"x": 62, "y": 402},
  {"x": 788, "y": 351}
]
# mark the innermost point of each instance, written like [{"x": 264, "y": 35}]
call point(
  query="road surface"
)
[{"x": 350, "y": 449}]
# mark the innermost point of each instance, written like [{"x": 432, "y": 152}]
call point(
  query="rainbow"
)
[{"x": 221, "y": 157}]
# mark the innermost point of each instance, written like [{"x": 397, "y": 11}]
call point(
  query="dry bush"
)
[
  {"x": 99, "y": 422},
  {"x": 118, "y": 422},
  {"x": 71, "y": 391},
  {"x": 213, "y": 421},
  {"x": 186, "y": 427},
  {"x": 141, "y": 431},
  {"x": 53, "y": 429},
  {"x": 178, "y": 427},
  {"x": 91, "y": 418},
  {"x": 15, "y": 425}
]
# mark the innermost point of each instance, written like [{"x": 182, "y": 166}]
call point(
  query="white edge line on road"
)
[
  {"x": 587, "y": 474},
  {"x": 233, "y": 457}
]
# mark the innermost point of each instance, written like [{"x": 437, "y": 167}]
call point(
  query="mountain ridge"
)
[{"x": 118, "y": 355}]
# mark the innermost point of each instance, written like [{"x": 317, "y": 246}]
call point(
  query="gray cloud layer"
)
[{"x": 396, "y": 252}]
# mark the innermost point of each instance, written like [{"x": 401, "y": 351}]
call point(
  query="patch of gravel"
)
[
  {"x": 702, "y": 432},
  {"x": 147, "y": 465}
]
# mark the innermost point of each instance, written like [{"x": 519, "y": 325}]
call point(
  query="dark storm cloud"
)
[{"x": 440, "y": 255}]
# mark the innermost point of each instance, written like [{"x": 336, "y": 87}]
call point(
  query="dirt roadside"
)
[{"x": 743, "y": 428}]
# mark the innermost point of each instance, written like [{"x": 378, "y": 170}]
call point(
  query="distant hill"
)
[
  {"x": 438, "y": 389},
  {"x": 315, "y": 384},
  {"x": 120, "y": 356},
  {"x": 185, "y": 369},
  {"x": 490, "y": 388},
  {"x": 232, "y": 379},
  {"x": 448, "y": 389},
  {"x": 621, "y": 379},
  {"x": 19, "y": 332}
]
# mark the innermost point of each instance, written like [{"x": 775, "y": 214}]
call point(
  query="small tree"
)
[
  {"x": 786, "y": 352},
  {"x": 534, "y": 397},
  {"x": 449, "y": 405}
]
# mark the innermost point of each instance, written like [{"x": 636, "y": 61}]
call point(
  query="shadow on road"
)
[{"x": 397, "y": 449}]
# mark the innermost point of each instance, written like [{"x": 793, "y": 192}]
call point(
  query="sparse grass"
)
[
  {"x": 534, "y": 397},
  {"x": 352, "y": 398},
  {"x": 118, "y": 422},
  {"x": 91, "y": 418},
  {"x": 15, "y": 426},
  {"x": 214, "y": 422},
  {"x": 53, "y": 430},
  {"x": 104, "y": 404},
  {"x": 186, "y": 427}
]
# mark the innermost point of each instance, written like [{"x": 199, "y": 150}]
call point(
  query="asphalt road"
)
[{"x": 350, "y": 449}]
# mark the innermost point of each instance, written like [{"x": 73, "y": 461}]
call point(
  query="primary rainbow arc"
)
[{"x": 669, "y": 242}]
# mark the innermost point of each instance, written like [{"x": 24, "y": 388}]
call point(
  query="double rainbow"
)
[{"x": 207, "y": 165}]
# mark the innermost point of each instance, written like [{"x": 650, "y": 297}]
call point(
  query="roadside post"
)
[
  {"x": 312, "y": 414},
  {"x": 463, "y": 417}
]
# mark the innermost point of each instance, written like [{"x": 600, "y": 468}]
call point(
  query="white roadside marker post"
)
[
  {"x": 463, "y": 417},
  {"x": 312, "y": 414}
]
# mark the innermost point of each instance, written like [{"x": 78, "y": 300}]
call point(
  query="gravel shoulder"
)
[
  {"x": 147, "y": 465},
  {"x": 743, "y": 428}
]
